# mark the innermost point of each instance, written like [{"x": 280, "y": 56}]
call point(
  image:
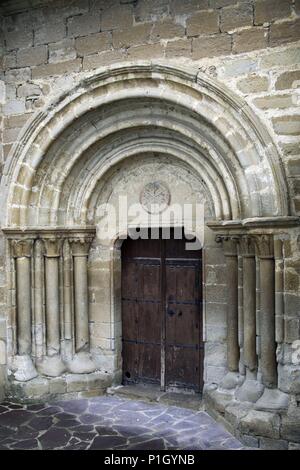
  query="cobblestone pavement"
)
[{"x": 109, "y": 423}]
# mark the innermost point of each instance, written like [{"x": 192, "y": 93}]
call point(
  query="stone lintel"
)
[
  {"x": 48, "y": 232},
  {"x": 265, "y": 224}
]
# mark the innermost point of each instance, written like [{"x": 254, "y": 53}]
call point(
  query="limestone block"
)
[
  {"x": 203, "y": 22},
  {"x": 287, "y": 125},
  {"x": 18, "y": 39},
  {"x": 178, "y": 7},
  {"x": 32, "y": 56},
  {"x": 133, "y": 36},
  {"x": 98, "y": 381},
  {"x": 214, "y": 256},
  {"x": 18, "y": 75},
  {"x": 2, "y": 352},
  {"x": 148, "y": 51},
  {"x": 145, "y": 10},
  {"x": 211, "y": 46},
  {"x": 253, "y": 84},
  {"x": 269, "y": 10},
  {"x": 83, "y": 25},
  {"x": 284, "y": 33},
  {"x": 44, "y": 71},
  {"x": 275, "y": 101},
  {"x": 272, "y": 444},
  {"x": 289, "y": 378},
  {"x": 57, "y": 385},
  {"x": 288, "y": 80},
  {"x": 14, "y": 107},
  {"x": 240, "y": 67},
  {"x": 214, "y": 374},
  {"x": 10, "y": 60},
  {"x": 178, "y": 48},
  {"x": 117, "y": 18},
  {"x": 81, "y": 363},
  {"x": 94, "y": 43},
  {"x": 76, "y": 382},
  {"x": 25, "y": 90},
  {"x": 217, "y": 293},
  {"x": 291, "y": 329},
  {"x": 62, "y": 50},
  {"x": 281, "y": 58},
  {"x": 167, "y": 29},
  {"x": 235, "y": 412},
  {"x": 51, "y": 366},
  {"x": 293, "y": 167},
  {"x": 290, "y": 428},
  {"x": 49, "y": 32},
  {"x": 37, "y": 387},
  {"x": 235, "y": 16},
  {"x": 10, "y": 135},
  {"x": 294, "y": 446},
  {"x": 216, "y": 313},
  {"x": 97, "y": 60},
  {"x": 250, "y": 40},
  {"x": 261, "y": 423}
]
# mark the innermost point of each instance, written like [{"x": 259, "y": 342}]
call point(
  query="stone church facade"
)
[{"x": 102, "y": 98}]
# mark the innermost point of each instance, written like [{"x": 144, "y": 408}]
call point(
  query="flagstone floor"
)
[{"x": 109, "y": 422}]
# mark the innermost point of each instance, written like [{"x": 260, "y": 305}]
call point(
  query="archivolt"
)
[{"x": 53, "y": 174}]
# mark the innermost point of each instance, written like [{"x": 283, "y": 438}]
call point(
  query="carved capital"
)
[
  {"x": 247, "y": 246},
  {"x": 229, "y": 243},
  {"x": 80, "y": 246},
  {"x": 264, "y": 245},
  {"x": 22, "y": 248},
  {"x": 52, "y": 247}
]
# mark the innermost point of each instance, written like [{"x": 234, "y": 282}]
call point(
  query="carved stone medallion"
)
[{"x": 155, "y": 197}]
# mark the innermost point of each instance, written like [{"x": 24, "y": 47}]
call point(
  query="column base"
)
[
  {"x": 250, "y": 391},
  {"x": 52, "y": 366},
  {"x": 82, "y": 363},
  {"x": 272, "y": 399},
  {"x": 23, "y": 368},
  {"x": 231, "y": 380}
]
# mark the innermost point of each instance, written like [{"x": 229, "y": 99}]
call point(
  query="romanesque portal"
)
[{"x": 117, "y": 131}]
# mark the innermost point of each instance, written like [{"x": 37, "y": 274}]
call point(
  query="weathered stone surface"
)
[
  {"x": 178, "y": 48},
  {"x": 135, "y": 35},
  {"x": 52, "y": 32},
  {"x": 269, "y": 10},
  {"x": 272, "y": 444},
  {"x": 83, "y": 24},
  {"x": 28, "y": 89},
  {"x": 240, "y": 67},
  {"x": 18, "y": 75},
  {"x": 235, "y": 16},
  {"x": 211, "y": 46},
  {"x": 283, "y": 33},
  {"x": 287, "y": 125},
  {"x": 18, "y": 39},
  {"x": 261, "y": 423},
  {"x": 97, "y": 60},
  {"x": 61, "y": 68},
  {"x": 253, "y": 84},
  {"x": 203, "y": 22},
  {"x": 290, "y": 429},
  {"x": 280, "y": 58},
  {"x": 149, "y": 51},
  {"x": 93, "y": 43},
  {"x": 32, "y": 56},
  {"x": 249, "y": 40},
  {"x": 120, "y": 18},
  {"x": 275, "y": 101},
  {"x": 62, "y": 50},
  {"x": 166, "y": 30},
  {"x": 14, "y": 107},
  {"x": 288, "y": 80},
  {"x": 178, "y": 7}
]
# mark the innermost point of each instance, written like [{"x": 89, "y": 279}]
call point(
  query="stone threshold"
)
[{"x": 151, "y": 393}]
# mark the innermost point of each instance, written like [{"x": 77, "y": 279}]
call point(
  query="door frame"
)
[{"x": 118, "y": 246}]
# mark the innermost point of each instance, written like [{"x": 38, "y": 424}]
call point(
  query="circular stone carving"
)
[{"x": 155, "y": 197}]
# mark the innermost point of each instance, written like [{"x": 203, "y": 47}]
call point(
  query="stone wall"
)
[{"x": 251, "y": 47}]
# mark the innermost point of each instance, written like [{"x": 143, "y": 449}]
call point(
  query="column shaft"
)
[
  {"x": 232, "y": 314},
  {"x": 249, "y": 309},
  {"x": 267, "y": 322},
  {"x": 81, "y": 303},
  {"x": 23, "y": 266},
  {"x": 52, "y": 305}
]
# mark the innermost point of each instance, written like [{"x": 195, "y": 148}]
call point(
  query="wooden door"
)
[{"x": 161, "y": 313}]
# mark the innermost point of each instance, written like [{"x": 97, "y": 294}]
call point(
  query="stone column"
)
[
  {"x": 233, "y": 352},
  {"x": 22, "y": 364},
  {"x": 251, "y": 389},
  {"x": 68, "y": 301},
  {"x": 279, "y": 288},
  {"x": 82, "y": 361},
  {"x": 52, "y": 364},
  {"x": 265, "y": 251},
  {"x": 39, "y": 307}
]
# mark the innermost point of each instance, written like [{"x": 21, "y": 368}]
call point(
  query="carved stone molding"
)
[
  {"x": 264, "y": 245},
  {"x": 52, "y": 247},
  {"x": 247, "y": 246},
  {"x": 80, "y": 246},
  {"x": 22, "y": 248},
  {"x": 229, "y": 244}
]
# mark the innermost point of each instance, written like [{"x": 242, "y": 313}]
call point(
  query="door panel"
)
[{"x": 161, "y": 313}]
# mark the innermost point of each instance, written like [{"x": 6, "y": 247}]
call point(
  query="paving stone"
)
[
  {"x": 54, "y": 438},
  {"x": 41, "y": 422},
  {"x": 107, "y": 442}
]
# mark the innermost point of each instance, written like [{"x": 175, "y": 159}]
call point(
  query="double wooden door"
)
[{"x": 162, "y": 313}]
